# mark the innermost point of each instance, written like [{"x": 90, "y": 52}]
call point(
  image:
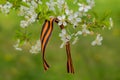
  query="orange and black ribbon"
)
[
  {"x": 46, "y": 32},
  {"x": 70, "y": 68},
  {"x": 45, "y": 36}
]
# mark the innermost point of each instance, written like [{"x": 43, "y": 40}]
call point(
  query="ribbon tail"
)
[
  {"x": 45, "y": 65},
  {"x": 70, "y": 68},
  {"x": 45, "y": 36}
]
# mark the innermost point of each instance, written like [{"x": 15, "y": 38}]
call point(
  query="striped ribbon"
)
[
  {"x": 70, "y": 68},
  {"x": 45, "y": 36},
  {"x": 46, "y": 32}
]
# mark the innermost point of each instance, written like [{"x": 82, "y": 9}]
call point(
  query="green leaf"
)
[{"x": 105, "y": 16}]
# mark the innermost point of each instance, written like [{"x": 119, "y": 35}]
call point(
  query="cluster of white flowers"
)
[
  {"x": 84, "y": 32},
  {"x": 29, "y": 13},
  {"x": 74, "y": 19},
  {"x": 6, "y": 7},
  {"x": 86, "y": 8},
  {"x": 81, "y": 21},
  {"x": 51, "y": 5},
  {"x": 60, "y": 4},
  {"x": 91, "y": 3},
  {"x": 83, "y": 7},
  {"x": 36, "y": 48},
  {"x": 64, "y": 37}
]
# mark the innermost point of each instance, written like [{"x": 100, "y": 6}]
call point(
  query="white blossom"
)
[
  {"x": 91, "y": 3},
  {"x": 33, "y": 3},
  {"x": 51, "y": 5},
  {"x": 111, "y": 23},
  {"x": 83, "y": 7},
  {"x": 23, "y": 10},
  {"x": 76, "y": 36},
  {"x": 16, "y": 46},
  {"x": 62, "y": 20},
  {"x": 64, "y": 37},
  {"x": 6, "y": 7},
  {"x": 39, "y": 1},
  {"x": 97, "y": 41},
  {"x": 61, "y": 1},
  {"x": 36, "y": 48},
  {"x": 74, "y": 19},
  {"x": 85, "y": 31},
  {"x": 68, "y": 12},
  {"x": 23, "y": 23},
  {"x": 60, "y": 4},
  {"x": 24, "y": 0},
  {"x": 29, "y": 14}
]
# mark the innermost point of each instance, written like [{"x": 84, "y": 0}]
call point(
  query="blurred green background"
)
[{"x": 90, "y": 63}]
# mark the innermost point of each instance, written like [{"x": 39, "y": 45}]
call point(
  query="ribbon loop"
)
[{"x": 46, "y": 32}]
